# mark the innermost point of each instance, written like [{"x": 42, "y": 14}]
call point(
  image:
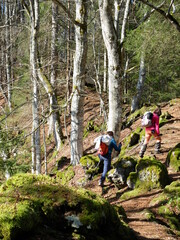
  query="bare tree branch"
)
[
  {"x": 167, "y": 15},
  {"x": 171, "y": 4},
  {"x": 66, "y": 10}
]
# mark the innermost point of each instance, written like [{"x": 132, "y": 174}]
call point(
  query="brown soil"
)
[{"x": 133, "y": 207}]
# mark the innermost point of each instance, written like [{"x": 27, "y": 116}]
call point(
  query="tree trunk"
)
[
  {"x": 68, "y": 62},
  {"x": 77, "y": 105},
  {"x": 36, "y": 152},
  {"x": 114, "y": 78},
  {"x": 53, "y": 58},
  {"x": 54, "y": 123},
  {"x": 8, "y": 52},
  {"x": 54, "y": 108},
  {"x": 126, "y": 11},
  {"x": 105, "y": 71},
  {"x": 142, "y": 75},
  {"x": 116, "y": 16}
]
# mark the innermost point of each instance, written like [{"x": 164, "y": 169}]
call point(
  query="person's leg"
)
[
  {"x": 148, "y": 135},
  {"x": 158, "y": 143},
  {"x": 105, "y": 170}
]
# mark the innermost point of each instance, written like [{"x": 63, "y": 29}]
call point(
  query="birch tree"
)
[
  {"x": 54, "y": 123},
  {"x": 33, "y": 12},
  {"x": 114, "y": 71},
  {"x": 137, "y": 98},
  {"x": 77, "y": 104}
]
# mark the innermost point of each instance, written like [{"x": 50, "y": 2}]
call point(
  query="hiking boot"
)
[
  {"x": 142, "y": 151},
  {"x": 157, "y": 147},
  {"x": 100, "y": 183}
]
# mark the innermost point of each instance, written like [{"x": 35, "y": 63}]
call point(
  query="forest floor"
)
[{"x": 134, "y": 207}]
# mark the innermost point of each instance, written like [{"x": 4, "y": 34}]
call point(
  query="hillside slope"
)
[{"x": 136, "y": 206}]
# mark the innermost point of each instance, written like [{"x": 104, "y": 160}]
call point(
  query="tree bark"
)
[
  {"x": 54, "y": 123},
  {"x": 126, "y": 11},
  {"x": 77, "y": 105},
  {"x": 36, "y": 147},
  {"x": 142, "y": 75},
  {"x": 54, "y": 107},
  {"x": 114, "y": 71}
]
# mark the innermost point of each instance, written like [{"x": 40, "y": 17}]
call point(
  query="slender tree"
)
[
  {"x": 139, "y": 88},
  {"x": 54, "y": 123},
  {"x": 77, "y": 104},
  {"x": 33, "y": 12},
  {"x": 114, "y": 71}
]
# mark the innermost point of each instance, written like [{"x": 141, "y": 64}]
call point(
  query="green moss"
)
[
  {"x": 78, "y": 236},
  {"x": 149, "y": 174},
  {"x": 169, "y": 205},
  {"x": 40, "y": 200},
  {"x": 148, "y": 215},
  {"x": 173, "y": 158},
  {"x": 91, "y": 126},
  {"x": 65, "y": 176},
  {"x": 132, "y": 193},
  {"x": 125, "y": 161},
  {"x": 89, "y": 161},
  {"x": 164, "y": 118},
  {"x": 131, "y": 140},
  {"x": 165, "y": 210}
]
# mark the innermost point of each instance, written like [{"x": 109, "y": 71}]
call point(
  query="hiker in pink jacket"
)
[{"x": 152, "y": 131}]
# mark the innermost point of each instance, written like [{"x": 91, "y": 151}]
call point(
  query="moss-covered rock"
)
[
  {"x": 90, "y": 163},
  {"x": 164, "y": 118},
  {"x": 169, "y": 205},
  {"x": 131, "y": 140},
  {"x": 121, "y": 170},
  {"x": 66, "y": 175},
  {"x": 149, "y": 174},
  {"x": 173, "y": 158},
  {"x": 29, "y": 202},
  {"x": 134, "y": 139}
]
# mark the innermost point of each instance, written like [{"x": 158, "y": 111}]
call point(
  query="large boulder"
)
[
  {"x": 121, "y": 170},
  {"x": 149, "y": 174},
  {"x": 31, "y": 204},
  {"x": 173, "y": 158}
]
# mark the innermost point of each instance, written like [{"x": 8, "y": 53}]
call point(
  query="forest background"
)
[{"x": 52, "y": 53}]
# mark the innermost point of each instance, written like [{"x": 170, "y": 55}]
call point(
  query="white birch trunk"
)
[
  {"x": 142, "y": 75},
  {"x": 105, "y": 71},
  {"x": 77, "y": 105},
  {"x": 126, "y": 12},
  {"x": 116, "y": 16},
  {"x": 54, "y": 121},
  {"x": 114, "y": 78},
  {"x": 36, "y": 152},
  {"x": 53, "y": 58}
]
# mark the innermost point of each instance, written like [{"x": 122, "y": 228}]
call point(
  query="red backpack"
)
[{"x": 103, "y": 149}]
